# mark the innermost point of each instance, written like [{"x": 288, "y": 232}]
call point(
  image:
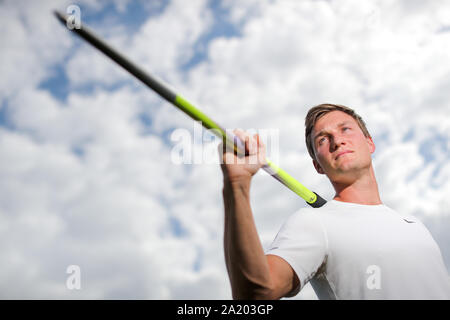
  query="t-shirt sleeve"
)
[{"x": 302, "y": 242}]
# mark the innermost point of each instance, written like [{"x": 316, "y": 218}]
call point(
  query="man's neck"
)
[{"x": 363, "y": 190}]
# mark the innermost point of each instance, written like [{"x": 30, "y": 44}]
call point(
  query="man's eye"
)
[
  {"x": 322, "y": 140},
  {"x": 345, "y": 128}
]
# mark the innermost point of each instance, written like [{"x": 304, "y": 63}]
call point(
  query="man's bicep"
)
[{"x": 285, "y": 281}]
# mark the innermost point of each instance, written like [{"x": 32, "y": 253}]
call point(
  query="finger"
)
[
  {"x": 261, "y": 145},
  {"x": 243, "y": 138},
  {"x": 226, "y": 145},
  {"x": 241, "y": 134},
  {"x": 261, "y": 150},
  {"x": 253, "y": 144}
]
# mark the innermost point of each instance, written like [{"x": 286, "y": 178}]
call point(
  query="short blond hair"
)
[{"x": 317, "y": 112}]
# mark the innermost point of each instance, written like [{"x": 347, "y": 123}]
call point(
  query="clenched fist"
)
[{"x": 236, "y": 167}]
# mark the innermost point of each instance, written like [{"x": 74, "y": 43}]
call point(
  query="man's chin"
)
[{"x": 344, "y": 174}]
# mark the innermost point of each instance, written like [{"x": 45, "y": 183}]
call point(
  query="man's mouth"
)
[{"x": 342, "y": 153}]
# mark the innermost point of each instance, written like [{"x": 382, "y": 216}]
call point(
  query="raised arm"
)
[{"x": 252, "y": 274}]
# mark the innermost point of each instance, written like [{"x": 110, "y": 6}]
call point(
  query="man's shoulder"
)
[
  {"x": 314, "y": 215},
  {"x": 302, "y": 222}
]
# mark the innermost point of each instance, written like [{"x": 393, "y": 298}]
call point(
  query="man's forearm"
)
[{"x": 247, "y": 265}]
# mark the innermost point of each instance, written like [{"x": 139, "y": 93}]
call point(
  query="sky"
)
[{"x": 88, "y": 176}]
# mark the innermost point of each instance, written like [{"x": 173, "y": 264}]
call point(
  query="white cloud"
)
[
  {"x": 166, "y": 42},
  {"x": 32, "y": 41}
]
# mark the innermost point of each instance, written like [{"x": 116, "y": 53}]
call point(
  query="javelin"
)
[{"x": 312, "y": 198}]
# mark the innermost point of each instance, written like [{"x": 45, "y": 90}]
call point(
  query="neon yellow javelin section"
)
[
  {"x": 293, "y": 184},
  {"x": 207, "y": 122},
  {"x": 196, "y": 114}
]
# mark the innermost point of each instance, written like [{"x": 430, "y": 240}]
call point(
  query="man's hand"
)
[{"x": 236, "y": 167}]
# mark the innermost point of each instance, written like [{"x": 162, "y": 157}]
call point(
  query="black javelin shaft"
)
[{"x": 312, "y": 198}]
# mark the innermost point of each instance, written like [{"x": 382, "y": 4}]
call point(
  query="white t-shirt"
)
[{"x": 353, "y": 251}]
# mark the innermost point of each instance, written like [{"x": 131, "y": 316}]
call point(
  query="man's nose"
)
[{"x": 338, "y": 140}]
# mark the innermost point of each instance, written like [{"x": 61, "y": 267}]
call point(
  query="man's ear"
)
[
  {"x": 318, "y": 167},
  {"x": 371, "y": 144}
]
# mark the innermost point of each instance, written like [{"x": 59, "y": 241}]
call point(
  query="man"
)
[{"x": 354, "y": 247}]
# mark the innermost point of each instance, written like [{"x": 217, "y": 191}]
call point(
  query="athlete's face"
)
[{"x": 341, "y": 148}]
